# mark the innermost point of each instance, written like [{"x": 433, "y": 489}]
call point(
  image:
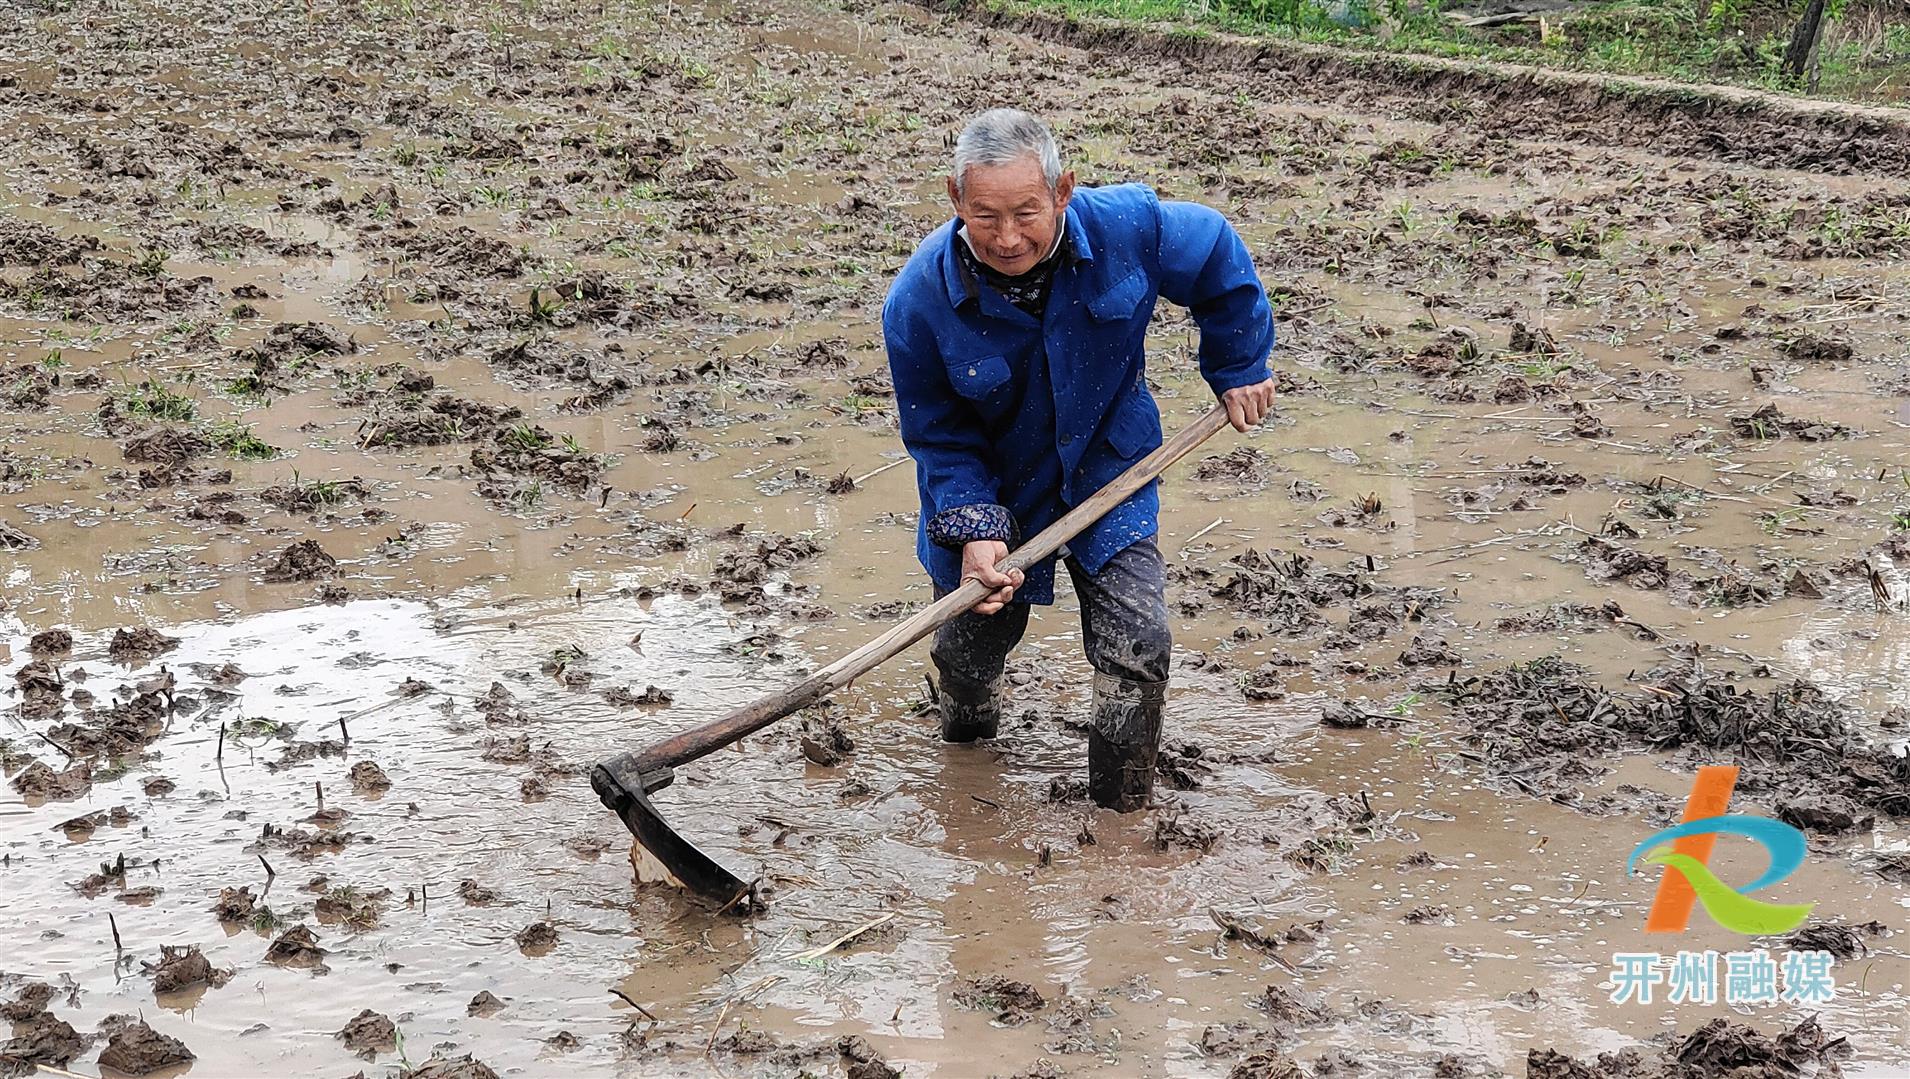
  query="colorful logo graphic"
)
[{"x": 1688, "y": 875}]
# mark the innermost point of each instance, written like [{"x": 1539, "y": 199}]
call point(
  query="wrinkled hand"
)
[
  {"x": 978, "y": 564},
  {"x": 1248, "y": 405}
]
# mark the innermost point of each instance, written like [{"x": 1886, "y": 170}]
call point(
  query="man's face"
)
[{"x": 1010, "y": 214}]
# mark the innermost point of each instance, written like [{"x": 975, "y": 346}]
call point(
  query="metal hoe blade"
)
[{"x": 625, "y": 786}]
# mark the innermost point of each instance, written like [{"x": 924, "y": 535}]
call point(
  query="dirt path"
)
[{"x": 455, "y": 397}]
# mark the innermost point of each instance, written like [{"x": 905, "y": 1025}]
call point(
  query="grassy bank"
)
[{"x": 1863, "y": 53}]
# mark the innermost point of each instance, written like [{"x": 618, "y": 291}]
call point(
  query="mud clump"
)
[
  {"x": 507, "y": 750},
  {"x": 135, "y": 646},
  {"x": 1064, "y": 791},
  {"x": 1720, "y": 1049},
  {"x": 41, "y": 1039},
  {"x": 1292, "y": 1007},
  {"x": 465, "y": 250},
  {"x": 627, "y": 697},
  {"x": 441, "y": 421},
  {"x": 140, "y": 1050},
  {"x": 25, "y": 388},
  {"x": 1266, "y": 1065},
  {"x": 308, "y": 338},
  {"x": 168, "y": 446},
  {"x": 42, "y": 693},
  {"x": 1768, "y": 423},
  {"x": 595, "y": 388},
  {"x": 860, "y": 1060},
  {"x": 302, "y": 561},
  {"x": 824, "y": 742},
  {"x": 739, "y": 575},
  {"x": 499, "y": 707},
  {"x": 367, "y": 778},
  {"x": 1543, "y": 722},
  {"x": 124, "y": 728},
  {"x": 50, "y": 642},
  {"x": 1562, "y": 616},
  {"x": 464, "y": 1067},
  {"x": 37, "y": 780},
  {"x": 369, "y": 1034},
  {"x": 1429, "y": 650},
  {"x": 748, "y": 1043},
  {"x": 1810, "y": 348},
  {"x": 476, "y": 894},
  {"x": 537, "y": 938},
  {"x": 1012, "y": 1003},
  {"x": 1182, "y": 832},
  {"x": 29, "y": 243},
  {"x": 1347, "y": 717},
  {"x": 235, "y": 904},
  {"x": 1245, "y": 465},
  {"x": 296, "y": 947},
  {"x": 183, "y": 967},
  {"x": 313, "y": 497},
  {"x": 1237, "y": 1038},
  {"x": 1607, "y": 561},
  {"x": 1292, "y": 592},
  {"x": 1071, "y": 1026},
  {"x": 1843, "y": 941},
  {"x": 1541, "y": 473},
  {"x": 109, "y": 291},
  {"x": 1532, "y": 342},
  {"x": 529, "y": 450},
  {"x": 33, "y": 999},
  {"x": 484, "y": 1005}
]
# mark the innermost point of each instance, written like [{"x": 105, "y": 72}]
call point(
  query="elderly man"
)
[{"x": 1015, "y": 336}]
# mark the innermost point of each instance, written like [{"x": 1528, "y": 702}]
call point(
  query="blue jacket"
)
[{"x": 1006, "y": 413}]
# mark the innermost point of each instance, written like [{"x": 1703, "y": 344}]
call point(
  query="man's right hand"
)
[{"x": 979, "y": 560}]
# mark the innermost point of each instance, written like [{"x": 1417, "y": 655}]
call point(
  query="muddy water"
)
[{"x": 759, "y": 298}]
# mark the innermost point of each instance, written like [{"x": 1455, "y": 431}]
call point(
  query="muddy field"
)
[{"x": 409, "y": 406}]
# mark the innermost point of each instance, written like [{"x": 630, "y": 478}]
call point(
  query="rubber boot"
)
[
  {"x": 970, "y": 709},
  {"x": 1124, "y": 737}
]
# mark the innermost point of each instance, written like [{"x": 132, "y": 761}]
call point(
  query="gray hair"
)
[{"x": 1002, "y": 137}]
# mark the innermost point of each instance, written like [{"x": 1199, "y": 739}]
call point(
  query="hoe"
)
[{"x": 626, "y": 782}]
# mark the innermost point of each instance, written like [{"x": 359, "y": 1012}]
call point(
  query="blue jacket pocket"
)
[
  {"x": 1136, "y": 429},
  {"x": 978, "y": 378},
  {"x": 1120, "y": 299}
]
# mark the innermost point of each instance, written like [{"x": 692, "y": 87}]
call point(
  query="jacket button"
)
[{"x": 1067, "y": 440}]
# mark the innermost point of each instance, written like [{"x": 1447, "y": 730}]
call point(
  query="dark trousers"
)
[{"x": 1123, "y": 623}]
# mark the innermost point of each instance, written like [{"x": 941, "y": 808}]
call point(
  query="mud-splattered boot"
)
[
  {"x": 1124, "y": 737},
  {"x": 970, "y": 709}
]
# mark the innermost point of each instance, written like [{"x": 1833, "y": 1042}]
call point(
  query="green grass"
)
[
  {"x": 1775, "y": 521},
  {"x": 1702, "y": 41},
  {"x": 526, "y": 438},
  {"x": 319, "y": 492},
  {"x": 261, "y": 727},
  {"x": 248, "y": 386},
  {"x": 238, "y": 440},
  {"x": 150, "y": 263},
  {"x": 154, "y": 401}
]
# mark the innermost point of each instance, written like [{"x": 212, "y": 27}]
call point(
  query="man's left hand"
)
[{"x": 1248, "y": 405}]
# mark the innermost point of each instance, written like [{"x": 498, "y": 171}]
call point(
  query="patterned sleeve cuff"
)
[{"x": 967, "y": 524}]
